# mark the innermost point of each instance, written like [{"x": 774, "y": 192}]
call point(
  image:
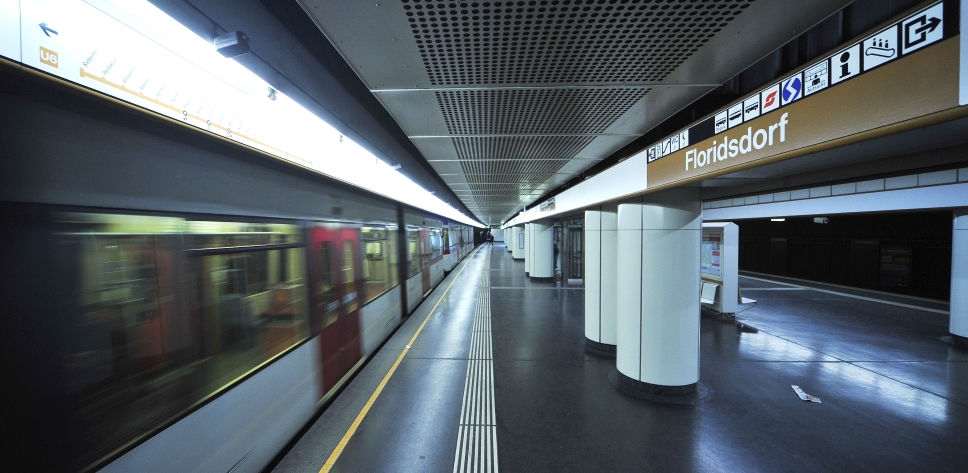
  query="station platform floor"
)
[{"x": 894, "y": 396}]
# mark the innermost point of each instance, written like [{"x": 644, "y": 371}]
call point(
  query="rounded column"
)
[
  {"x": 517, "y": 251},
  {"x": 543, "y": 250},
  {"x": 600, "y": 279},
  {"x": 958, "y": 318},
  {"x": 527, "y": 249},
  {"x": 658, "y": 293}
]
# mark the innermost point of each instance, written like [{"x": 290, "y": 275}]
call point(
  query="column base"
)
[
  {"x": 640, "y": 387},
  {"x": 600, "y": 349}
]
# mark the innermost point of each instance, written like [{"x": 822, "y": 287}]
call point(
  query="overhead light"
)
[
  {"x": 821, "y": 220},
  {"x": 397, "y": 166},
  {"x": 778, "y": 220},
  {"x": 232, "y": 44}
]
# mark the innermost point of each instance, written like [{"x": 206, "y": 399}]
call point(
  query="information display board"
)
[
  {"x": 711, "y": 251},
  {"x": 896, "y": 266}
]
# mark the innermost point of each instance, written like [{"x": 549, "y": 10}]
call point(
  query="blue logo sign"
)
[{"x": 792, "y": 89}]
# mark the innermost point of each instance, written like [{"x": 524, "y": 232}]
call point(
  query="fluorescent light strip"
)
[{"x": 218, "y": 90}]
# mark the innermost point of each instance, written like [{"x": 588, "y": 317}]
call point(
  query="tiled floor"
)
[{"x": 894, "y": 397}]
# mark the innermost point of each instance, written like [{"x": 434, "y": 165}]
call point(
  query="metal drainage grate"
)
[{"x": 562, "y": 41}]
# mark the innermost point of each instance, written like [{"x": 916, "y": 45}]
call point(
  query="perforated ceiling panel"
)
[
  {"x": 509, "y": 99},
  {"x": 529, "y": 111},
  {"x": 599, "y": 41}
]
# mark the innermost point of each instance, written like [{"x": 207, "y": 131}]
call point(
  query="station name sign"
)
[
  {"x": 875, "y": 82},
  {"x": 901, "y": 38}
]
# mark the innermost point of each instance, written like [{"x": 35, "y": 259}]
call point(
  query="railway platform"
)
[{"x": 490, "y": 374}]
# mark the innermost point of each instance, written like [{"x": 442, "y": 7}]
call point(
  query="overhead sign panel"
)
[
  {"x": 10, "y": 29},
  {"x": 866, "y": 103},
  {"x": 906, "y": 36}
]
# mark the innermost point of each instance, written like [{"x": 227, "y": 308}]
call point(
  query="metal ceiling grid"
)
[
  {"x": 549, "y": 42},
  {"x": 556, "y": 41},
  {"x": 509, "y": 99},
  {"x": 535, "y": 111}
]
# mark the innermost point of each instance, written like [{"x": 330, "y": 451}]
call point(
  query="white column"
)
[
  {"x": 600, "y": 279},
  {"x": 958, "y": 325},
  {"x": 527, "y": 249},
  {"x": 517, "y": 252},
  {"x": 510, "y": 240},
  {"x": 658, "y": 293},
  {"x": 543, "y": 250}
]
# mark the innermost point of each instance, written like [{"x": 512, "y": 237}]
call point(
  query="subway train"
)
[{"x": 170, "y": 295}]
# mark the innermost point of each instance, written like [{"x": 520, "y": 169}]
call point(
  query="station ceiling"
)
[{"x": 506, "y": 100}]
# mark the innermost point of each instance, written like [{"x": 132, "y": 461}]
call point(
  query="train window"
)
[
  {"x": 326, "y": 289},
  {"x": 446, "y": 238},
  {"x": 413, "y": 252},
  {"x": 350, "y": 299},
  {"x": 378, "y": 272},
  {"x": 393, "y": 256},
  {"x": 169, "y": 311},
  {"x": 435, "y": 243}
]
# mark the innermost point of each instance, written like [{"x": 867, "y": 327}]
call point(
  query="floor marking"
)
[
  {"x": 477, "y": 433},
  {"x": 775, "y": 289},
  {"x": 871, "y": 299},
  {"x": 369, "y": 403},
  {"x": 743, "y": 274}
]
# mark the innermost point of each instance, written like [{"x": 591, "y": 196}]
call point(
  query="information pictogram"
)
[
  {"x": 880, "y": 48},
  {"x": 771, "y": 98},
  {"x": 721, "y": 122},
  {"x": 815, "y": 77},
  {"x": 922, "y": 28},
  {"x": 736, "y": 115},
  {"x": 792, "y": 89},
  {"x": 846, "y": 64},
  {"x": 751, "y": 107}
]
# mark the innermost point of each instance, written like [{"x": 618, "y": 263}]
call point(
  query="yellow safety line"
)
[{"x": 369, "y": 403}]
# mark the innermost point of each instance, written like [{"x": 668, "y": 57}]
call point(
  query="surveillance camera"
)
[{"x": 821, "y": 220}]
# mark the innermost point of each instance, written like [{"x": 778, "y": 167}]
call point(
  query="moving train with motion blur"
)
[{"x": 170, "y": 295}]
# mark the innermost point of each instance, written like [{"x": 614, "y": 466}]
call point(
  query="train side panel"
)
[{"x": 246, "y": 426}]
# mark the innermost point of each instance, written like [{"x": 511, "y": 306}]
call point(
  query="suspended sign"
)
[{"x": 914, "y": 32}]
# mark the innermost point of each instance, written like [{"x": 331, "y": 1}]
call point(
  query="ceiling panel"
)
[{"x": 508, "y": 99}]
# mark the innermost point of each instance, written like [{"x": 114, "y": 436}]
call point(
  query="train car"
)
[{"x": 168, "y": 294}]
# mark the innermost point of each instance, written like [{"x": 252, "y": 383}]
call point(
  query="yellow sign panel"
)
[
  {"x": 912, "y": 87},
  {"x": 48, "y": 57}
]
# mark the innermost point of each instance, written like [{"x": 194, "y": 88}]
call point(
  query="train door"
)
[
  {"x": 334, "y": 267},
  {"x": 425, "y": 259}
]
